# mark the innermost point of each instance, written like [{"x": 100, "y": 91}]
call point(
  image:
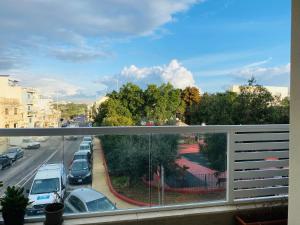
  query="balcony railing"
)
[{"x": 164, "y": 166}]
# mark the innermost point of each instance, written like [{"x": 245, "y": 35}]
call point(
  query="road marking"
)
[{"x": 31, "y": 174}]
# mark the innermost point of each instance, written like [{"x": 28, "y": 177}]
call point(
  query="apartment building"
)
[
  {"x": 281, "y": 92},
  {"x": 24, "y": 107}
]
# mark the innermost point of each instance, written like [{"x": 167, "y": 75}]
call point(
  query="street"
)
[{"x": 54, "y": 150}]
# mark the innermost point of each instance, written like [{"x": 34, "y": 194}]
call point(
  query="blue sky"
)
[{"x": 82, "y": 49}]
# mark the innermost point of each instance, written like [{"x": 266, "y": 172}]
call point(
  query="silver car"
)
[{"x": 87, "y": 200}]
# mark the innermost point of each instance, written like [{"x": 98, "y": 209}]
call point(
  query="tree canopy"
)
[
  {"x": 132, "y": 105},
  {"x": 70, "y": 110}
]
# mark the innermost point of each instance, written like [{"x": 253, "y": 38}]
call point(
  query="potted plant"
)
[
  {"x": 54, "y": 211},
  {"x": 14, "y": 205},
  {"x": 266, "y": 216}
]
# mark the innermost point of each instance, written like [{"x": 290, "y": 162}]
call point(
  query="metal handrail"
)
[{"x": 130, "y": 130}]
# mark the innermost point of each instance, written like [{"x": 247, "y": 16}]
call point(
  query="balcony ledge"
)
[{"x": 222, "y": 214}]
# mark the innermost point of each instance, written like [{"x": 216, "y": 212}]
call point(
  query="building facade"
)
[{"x": 22, "y": 107}]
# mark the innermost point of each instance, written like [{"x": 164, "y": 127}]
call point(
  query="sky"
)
[{"x": 80, "y": 50}]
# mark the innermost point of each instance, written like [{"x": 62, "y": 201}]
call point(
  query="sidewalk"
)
[{"x": 99, "y": 179}]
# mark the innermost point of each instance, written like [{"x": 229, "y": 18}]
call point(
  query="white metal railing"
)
[{"x": 257, "y": 155}]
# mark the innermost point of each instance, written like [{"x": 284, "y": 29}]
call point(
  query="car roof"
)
[
  {"x": 84, "y": 143},
  {"x": 87, "y": 137},
  {"x": 49, "y": 171},
  {"x": 82, "y": 152},
  {"x": 87, "y": 194},
  {"x": 80, "y": 160}
]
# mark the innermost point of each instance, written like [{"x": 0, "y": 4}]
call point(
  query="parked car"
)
[
  {"x": 49, "y": 181},
  {"x": 88, "y": 139},
  {"x": 28, "y": 143},
  {"x": 87, "y": 200},
  {"x": 80, "y": 172},
  {"x": 5, "y": 161},
  {"x": 83, "y": 154},
  {"x": 71, "y": 138},
  {"x": 14, "y": 153},
  {"x": 85, "y": 147},
  {"x": 41, "y": 138}
]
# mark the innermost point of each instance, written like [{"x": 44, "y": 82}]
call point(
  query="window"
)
[
  {"x": 16, "y": 111},
  {"x": 29, "y": 108},
  {"x": 15, "y": 125},
  {"x": 6, "y": 111},
  {"x": 77, "y": 203}
]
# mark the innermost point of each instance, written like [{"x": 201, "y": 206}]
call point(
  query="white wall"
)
[{"x": 294, "y": 175}]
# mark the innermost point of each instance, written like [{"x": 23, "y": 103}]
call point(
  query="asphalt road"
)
[{"x": 54, "y": 150}]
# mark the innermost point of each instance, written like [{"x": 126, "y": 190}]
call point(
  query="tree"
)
[
  {"x": 191, "y": 97},
  {"x": 215, "y": 109},
  {"x": 159, "y": 104},
  {"x": 129, "y": 155},
  {"x": 70, "y": 110},
  {"x": 253, "y": 104},
  {"x": 113, "y": 113},
  {"x": 131, "y": 97},
  {"x": 216, "y": 150}
]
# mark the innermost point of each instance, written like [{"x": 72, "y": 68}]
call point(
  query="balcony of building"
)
[{"x": 163, "y": 174}]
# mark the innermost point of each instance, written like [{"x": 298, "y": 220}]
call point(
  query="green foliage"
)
[
  {"x": 70, "y": 110},
  {"x": 131, "y": 105},
  {"x": 253, "y": 105},
  {"x": 14, "y": 200},
  {"x": 113, "y": 113},
  {"x": 191, "y": 97},
  {"x": 129, "y": 155},
  {"x": 215, "y": 149},
  {"x": 120, "y": 182}
]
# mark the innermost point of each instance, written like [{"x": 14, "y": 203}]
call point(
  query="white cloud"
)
[
  {"x": 55, "y": 23},
  {"x": 52, "y": 87},
  {"x": 177, "y": 75},
  {"x": 264, "y": 72},
  {"x": 78, "y": 54},
  {"x": 174, "y": 73}
]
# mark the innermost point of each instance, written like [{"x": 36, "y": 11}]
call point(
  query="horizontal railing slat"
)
[
  {"x": 257, "y": 192},
  {"x": 128, "y": 130},
  {"x": 260, "y": 183},
  {"x": 260, "y": 155},
  {"x": 267, "y": 173},
  {"x": 261, "y": 146},
  {"x": 261, "y": 164},
  {"x": 261, "y": 137}
]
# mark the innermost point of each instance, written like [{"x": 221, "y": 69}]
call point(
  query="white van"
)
[{"x": 49, "y": 181}]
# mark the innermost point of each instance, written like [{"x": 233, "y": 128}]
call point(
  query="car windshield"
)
[
  {"x": 87, "y": 139},
  {"x": 84, "y": 147},
  {"x": 45, "y": 186},
  {"x": 12, "y": 150},
  {"x": 80, "y": 157},
  {"x": 79, "y": 165},
  {"x": 101, "y": 204}
]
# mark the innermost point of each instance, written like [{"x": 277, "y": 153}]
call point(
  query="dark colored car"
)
[
  {"x": 14, "y": 153},
  {"x": 83, "y": 155},
  {"x": 5, "y": 161},
  {"x": 80, "y": 172}
]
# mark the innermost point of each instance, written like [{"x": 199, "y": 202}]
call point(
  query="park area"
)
[{"x": 166, "y": 169}]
